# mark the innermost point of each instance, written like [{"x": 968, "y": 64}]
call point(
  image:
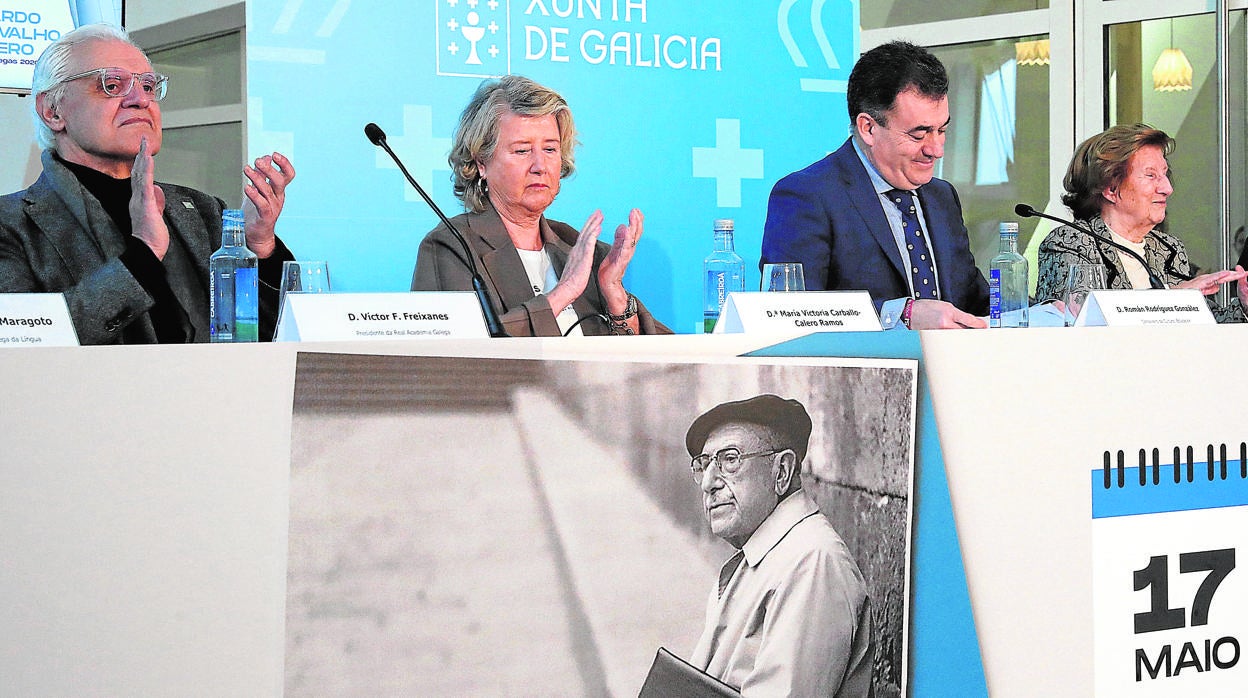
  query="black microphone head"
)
[
  {"x": 374, "y": 133},
  {"x": 1024, "y": 210}
]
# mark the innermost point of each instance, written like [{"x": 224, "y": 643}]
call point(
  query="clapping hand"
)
[{"x": 265, "y": 196}]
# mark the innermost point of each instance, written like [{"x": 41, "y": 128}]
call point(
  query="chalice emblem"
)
[{"x": 473, "y": 33}]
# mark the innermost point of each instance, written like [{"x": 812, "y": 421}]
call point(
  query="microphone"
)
[
  {"x": 375, "y": 134},
  {"x": 1026, "y": 211},
  {"x": 492, "y": 323}
]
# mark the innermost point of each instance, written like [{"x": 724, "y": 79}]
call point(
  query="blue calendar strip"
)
[{"x": 1125, "y": 496}]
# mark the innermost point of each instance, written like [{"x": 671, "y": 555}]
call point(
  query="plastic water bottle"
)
[
  {"x": 1007, "y": 282},
  {"x": 233, "y": 285},
  {"x": 723, "y": 272}
]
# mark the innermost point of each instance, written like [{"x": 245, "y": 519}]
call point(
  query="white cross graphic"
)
[
  {"x": 493, "y": 27},
  {"x": 422, "y": 153},
  {"x": 728, "y": 163},
  {"x": 452, "y": 25},
  {"x": 453, "y": 48},
  {"x": 493, "y": 51}
]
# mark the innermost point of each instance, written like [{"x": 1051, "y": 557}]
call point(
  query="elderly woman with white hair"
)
[
  {"x": 513, "y": 146},
  {"x": 1118, "y": 186}
]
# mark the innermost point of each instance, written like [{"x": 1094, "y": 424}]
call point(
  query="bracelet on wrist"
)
[
  {"x": 905, "y": 312},
  {"x": 619, "y": 323},
  {"x": 620, "y": 327},
  {"x": 630, "y": 311}
]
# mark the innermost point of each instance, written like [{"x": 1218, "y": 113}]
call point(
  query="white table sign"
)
[
  {"x": 333, "y": 317},
  {"x": 1128, "y": 308},
  {"x": 35, "y": 320},
  {"x": 798, "y": 312}
]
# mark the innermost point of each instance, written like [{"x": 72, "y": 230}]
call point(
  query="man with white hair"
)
[{"x": 130, "y": 255}]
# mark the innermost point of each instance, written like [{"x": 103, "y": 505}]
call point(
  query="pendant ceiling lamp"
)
[
  {"x": 1032, "y": 52},
  {"x": 1172, "y": 72}
]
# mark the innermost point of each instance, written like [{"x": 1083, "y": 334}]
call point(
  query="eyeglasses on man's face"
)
[
  {"x": 729, "y": 461},
  {"x": 118, "y": 82}
]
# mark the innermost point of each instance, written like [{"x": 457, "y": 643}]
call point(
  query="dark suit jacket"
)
[
  {"x": 440, "y": 266},
  {"x": 48, "y": 245},
  {"x": 829, "y": 218}
]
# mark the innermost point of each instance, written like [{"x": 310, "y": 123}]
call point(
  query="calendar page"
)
[{"x": 1170, "y": 527}]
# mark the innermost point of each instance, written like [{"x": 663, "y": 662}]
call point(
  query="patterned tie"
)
[
  {"x": 922, "y": 271},
  {"x": 730, "y": 567}
]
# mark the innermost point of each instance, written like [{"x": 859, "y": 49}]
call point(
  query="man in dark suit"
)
[
  {"x": 871, "y": 216},
  {"x": 130, "y": 255}
]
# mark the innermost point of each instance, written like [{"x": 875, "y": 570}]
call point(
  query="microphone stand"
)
[
  {"x": 492, "y": 324},
  {"x": 1027, "y": 211}
]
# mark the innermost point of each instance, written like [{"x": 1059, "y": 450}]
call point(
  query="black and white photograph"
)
[{"x": 504, "y": 527}]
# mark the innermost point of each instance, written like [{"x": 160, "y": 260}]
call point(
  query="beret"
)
[{"x": 785, "y": 417}]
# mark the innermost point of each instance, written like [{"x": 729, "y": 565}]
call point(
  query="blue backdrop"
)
[{"x": 689, "y": 111}]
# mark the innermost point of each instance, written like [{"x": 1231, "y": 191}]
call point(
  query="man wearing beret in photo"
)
[{"x": 789, "y": 615}]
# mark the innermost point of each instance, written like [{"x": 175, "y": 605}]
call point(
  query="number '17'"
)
[{"x": 1218, "y": 563}]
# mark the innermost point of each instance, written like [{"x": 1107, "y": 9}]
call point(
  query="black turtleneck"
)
[{"x": 169, "y": 319}]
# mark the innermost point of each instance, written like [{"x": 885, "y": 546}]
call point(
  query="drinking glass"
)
[
  {"x": 1081, "y": 279},
  {"x": 305, "y": 277},
  {"x": 301, "y": 277},
  {"x": 787, "y": 276}
]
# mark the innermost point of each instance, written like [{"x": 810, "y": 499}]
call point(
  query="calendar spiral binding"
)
[
  {"x": 1179, "y": 482},
  {"x": 1182, "y": 464}
]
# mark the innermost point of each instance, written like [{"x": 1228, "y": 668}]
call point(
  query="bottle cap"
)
[
  {"x": 232, "y": 216},
  {"x": 723, "y": 224},
  {"x": 1008, "y": 228}
]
